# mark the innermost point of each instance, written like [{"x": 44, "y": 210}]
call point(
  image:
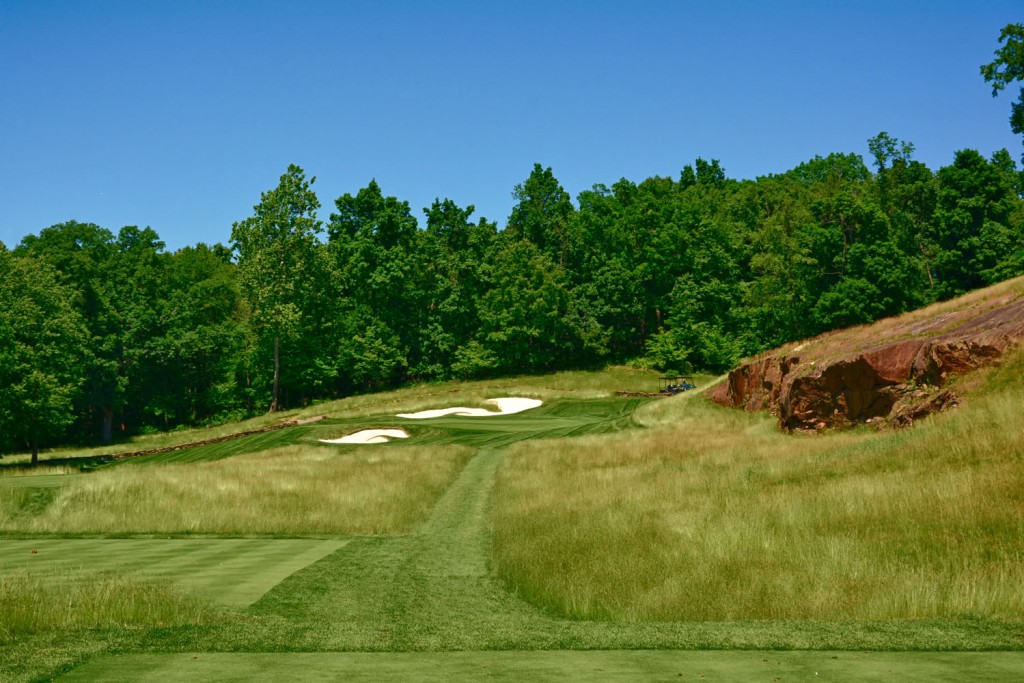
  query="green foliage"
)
[
  {"x": 276, "y": 250},
  {"x": 1008, "y": 67},
  {"x": 979, "y": 227},
  {"x": 693, "y": 271},
  {"x": 543, "y": 215},
  {"x": 42, "y": 358}
]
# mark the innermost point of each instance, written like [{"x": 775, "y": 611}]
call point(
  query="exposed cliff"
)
[{"x": 895, "y": 369}]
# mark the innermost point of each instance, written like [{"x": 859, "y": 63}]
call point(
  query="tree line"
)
[{"x": 104, "y": 334}]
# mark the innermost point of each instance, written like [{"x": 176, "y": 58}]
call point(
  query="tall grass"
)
[
  {"x": 78, "y": 600},
  {"x": 293, "y": 490},
  {"x": 717, "y": 516}
]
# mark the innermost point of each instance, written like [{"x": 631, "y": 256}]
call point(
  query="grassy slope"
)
[
  {"x": 937, "y": 319},
  {"x": 717, "y": 516},
  {"x": 571, "y": 384},
  {"x": 297, "y": 490},
  {"x": 433, "y": 590}
]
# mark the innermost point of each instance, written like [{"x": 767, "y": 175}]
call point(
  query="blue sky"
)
[{"x": 176, "y": 115}]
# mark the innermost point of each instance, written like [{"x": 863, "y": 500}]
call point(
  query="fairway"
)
[
  {"x": 555, "y": 419},
  {"x": 37, "y": 481},
  {"x": 228, "y": 571},
  {"x": 611, "y": 666}
]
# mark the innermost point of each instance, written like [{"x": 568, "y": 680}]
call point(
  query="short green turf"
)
[
  {"x": 233, "y": 572},
  {"x": 623, "y": 666},
  {"x": 555, "y": 419},
  {"x": 39, "y": 481}
]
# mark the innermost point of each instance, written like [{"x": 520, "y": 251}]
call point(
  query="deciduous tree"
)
[
  {"x": 275, "y": 248},
  {"x": 42, "y": 354}
]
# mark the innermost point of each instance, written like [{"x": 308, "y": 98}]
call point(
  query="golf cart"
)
[{"x": 676, "y": 384}]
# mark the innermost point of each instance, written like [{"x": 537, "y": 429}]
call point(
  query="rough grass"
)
[
  {"x": 80, "y": 600},
  {"x": 938, "y": 318},
  {"x": 293, "y": 490},
  {"x": 717, "y": 516}
]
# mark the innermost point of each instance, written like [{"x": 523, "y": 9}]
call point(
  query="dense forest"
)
[{"x": 105, "y": 334}]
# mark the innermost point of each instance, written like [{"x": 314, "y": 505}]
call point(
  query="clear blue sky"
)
[{"x": 176, "y": 115}]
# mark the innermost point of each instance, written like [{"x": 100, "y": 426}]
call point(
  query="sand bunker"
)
[
  {"x": 370, "y": 436},
  {"x": 506, "y": 406}
]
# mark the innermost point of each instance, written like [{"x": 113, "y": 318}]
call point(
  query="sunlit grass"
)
[
  {"x": 80, "y": 600},
  {"x": 292, "y": 490},
  {"x": 570, "y": 384},
  {"x": 717, "y": 516},
  {"x": 35, "y": 471}
]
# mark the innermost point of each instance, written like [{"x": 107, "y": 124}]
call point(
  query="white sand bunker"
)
[
  {"x": 506, "y": 406},
  {"x": 370, "y": 436}
]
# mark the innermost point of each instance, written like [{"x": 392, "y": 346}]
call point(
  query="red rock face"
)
[{"x": 892, "y": 370}]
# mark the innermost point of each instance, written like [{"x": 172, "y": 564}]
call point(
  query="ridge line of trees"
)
[{"x": 106, "y": 334}]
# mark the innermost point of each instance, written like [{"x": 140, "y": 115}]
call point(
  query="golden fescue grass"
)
[
  {"x": 929, "y": 321},
  {"x": 293, "y": 490},
  {"x": 717, "y": 516},
  {"x": 79, "y": 600}
]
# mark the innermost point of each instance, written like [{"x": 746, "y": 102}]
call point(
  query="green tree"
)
[
  {"x": 775, "y": 288},
  {"x": 42, "y": 363},
  {"x": 979, "y": 225},
  {"x": 376, "y": 250},
  {"x": 1007, "y": 67},
  {"x": 523, "y": 325},
  {"x": 543, "y": 215},
  {"x": 194, "y": 356},
  {"x": 454, "y": 250},
  {"x": 83, "y": 254},
  {"x": 276, "y": 248}
]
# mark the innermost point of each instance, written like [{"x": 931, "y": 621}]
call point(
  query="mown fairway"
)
[
  {"x": 232, "y": 572},
  {"x": 439, "y": 589},
  {"x": 622, "y": 666}
]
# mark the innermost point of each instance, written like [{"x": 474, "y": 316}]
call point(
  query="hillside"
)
[{"x": 894, "y": 371}]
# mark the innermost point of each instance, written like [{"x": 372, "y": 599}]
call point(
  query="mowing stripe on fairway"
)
[
  {"x": 567, "y": 665},
  {"x": 234, "y": 572},
  {"x": 37, "y": 481}
]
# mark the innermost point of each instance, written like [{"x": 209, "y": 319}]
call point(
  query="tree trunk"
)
[
  {"x": 107, "y": 432},
  {"x": 277, "y": 373},
  {"x": 35, "y": 452}
]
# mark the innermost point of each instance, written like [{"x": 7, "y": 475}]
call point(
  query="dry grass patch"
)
[
  {"x": 939, "y": 318},
  {"x": 717, "y": 516},
  {"x": 292, "y": 490},
  {"x": 80, "y": 600}
]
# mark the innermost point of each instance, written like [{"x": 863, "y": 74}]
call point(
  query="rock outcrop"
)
[{"x": 895, "y": 370}]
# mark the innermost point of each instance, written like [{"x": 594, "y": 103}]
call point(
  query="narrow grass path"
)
[{"x": 427, "y": 591}]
